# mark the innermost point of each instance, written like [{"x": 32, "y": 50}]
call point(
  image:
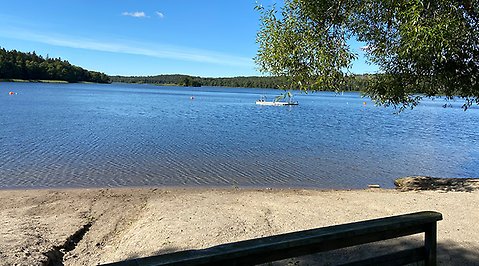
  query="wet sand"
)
[{"x": 91, "y": 226}]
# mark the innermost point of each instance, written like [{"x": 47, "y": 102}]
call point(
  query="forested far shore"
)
[
  {"x": 15, "y": 65},
  {"x": 20, "y": 66},
  {"x": 355, "y": 82},
  {"x": 194, "y": 81}
]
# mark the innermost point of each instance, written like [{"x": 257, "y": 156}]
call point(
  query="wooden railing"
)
[{"x": 277, "y": 247}]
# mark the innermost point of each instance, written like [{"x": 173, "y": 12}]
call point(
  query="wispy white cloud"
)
[
  {"x": 131, "y": 47},
  {"x": 159, "y": 14},
  {"x": 137, "y": 14}
]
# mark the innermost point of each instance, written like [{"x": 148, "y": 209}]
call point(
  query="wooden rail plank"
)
[{"x": 277, "y": 247}]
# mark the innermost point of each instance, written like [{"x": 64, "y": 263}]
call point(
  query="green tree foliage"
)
[
  {"x": 30, "y": 66},
  {"x": 294, "y": 46},
  {"x": 428, "y": 47}
]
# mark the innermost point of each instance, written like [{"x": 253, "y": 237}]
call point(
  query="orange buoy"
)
[{"x": 11, "y": 93}]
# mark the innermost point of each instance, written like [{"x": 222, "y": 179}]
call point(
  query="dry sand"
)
[{"x": 117, "y": 224}]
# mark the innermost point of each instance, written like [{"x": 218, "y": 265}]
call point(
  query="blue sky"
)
[{"x": 214, "y": 38}]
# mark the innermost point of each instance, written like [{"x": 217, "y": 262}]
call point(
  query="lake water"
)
[{"x": 89, "y": 135}]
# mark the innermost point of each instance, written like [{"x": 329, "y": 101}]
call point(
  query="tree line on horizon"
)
[
  {"x": 30, "y": 66},
  {"x": 356, "y": 82},
  {"x": 195, "y": 81}
]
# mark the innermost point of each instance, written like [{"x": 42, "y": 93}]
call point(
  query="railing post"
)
[{"x": 430, "y": 244}]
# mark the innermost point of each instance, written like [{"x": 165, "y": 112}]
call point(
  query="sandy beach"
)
[{"x": 91, "y": 226}]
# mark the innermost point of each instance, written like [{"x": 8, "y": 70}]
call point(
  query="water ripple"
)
[{"x": 78, "y": 135}]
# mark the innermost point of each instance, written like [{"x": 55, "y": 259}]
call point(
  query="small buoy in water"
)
[
  {"x": 11, "y": 93},
  {"x": 192, "y": 97},
  {"x": 364, "y": 103}
]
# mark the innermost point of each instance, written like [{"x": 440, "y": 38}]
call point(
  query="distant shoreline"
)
[
  {"x": 356, "y": 82},
  {"x": 139, "y": 83}
]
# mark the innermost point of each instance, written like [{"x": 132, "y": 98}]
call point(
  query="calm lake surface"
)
[{"x": 90, "y": 135}]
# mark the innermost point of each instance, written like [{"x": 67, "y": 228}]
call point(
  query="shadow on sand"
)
[{"x": 448, "y": 253}]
